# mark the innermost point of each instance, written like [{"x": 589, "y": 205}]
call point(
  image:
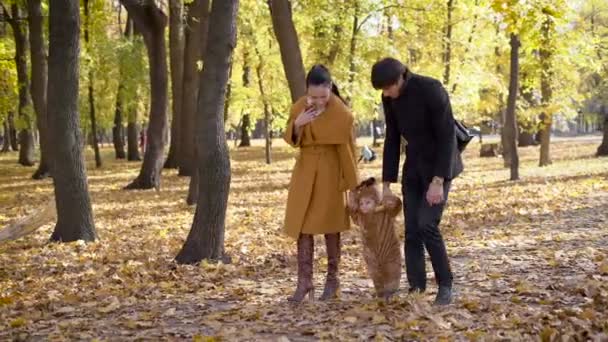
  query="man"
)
[{"x": 418, "y": 109}]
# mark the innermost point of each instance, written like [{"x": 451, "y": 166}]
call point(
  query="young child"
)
[{"x": 381, "y": 247}]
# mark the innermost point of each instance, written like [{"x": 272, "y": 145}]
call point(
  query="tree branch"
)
[{"x": 384, "y": 9}]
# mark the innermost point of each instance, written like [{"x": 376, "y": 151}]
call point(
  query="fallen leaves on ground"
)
[{"x": 530, "y": 260}]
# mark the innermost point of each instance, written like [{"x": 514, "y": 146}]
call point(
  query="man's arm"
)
[
  {"x": 392, "y": 146},
  {"x": 443, "y": 129}
]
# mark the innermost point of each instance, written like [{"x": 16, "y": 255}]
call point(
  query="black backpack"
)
[{"x": 463, "y": 135}]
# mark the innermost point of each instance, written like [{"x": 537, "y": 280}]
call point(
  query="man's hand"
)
[{"x": 435, "y": 193}]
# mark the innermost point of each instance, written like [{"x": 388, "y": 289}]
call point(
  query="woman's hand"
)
[
  {"x": 352, "y": 201},
  {"x": 307, "y": 116}
]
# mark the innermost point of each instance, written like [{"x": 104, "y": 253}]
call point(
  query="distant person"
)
[
  {"x": 418, "y": 109},
  {"x": 367, "y": 155}
]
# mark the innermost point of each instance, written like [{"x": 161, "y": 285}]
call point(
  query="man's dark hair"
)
[{"x": 386, "y": 72}]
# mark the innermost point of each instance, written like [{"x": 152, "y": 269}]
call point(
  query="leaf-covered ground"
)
[{"x": 530, "y": 260}]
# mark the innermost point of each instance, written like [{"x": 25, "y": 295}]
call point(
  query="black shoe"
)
[{"x": 444, "y": 296}]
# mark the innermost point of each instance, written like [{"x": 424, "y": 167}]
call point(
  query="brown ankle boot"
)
[
  {"x": 305, "y": 256},
  {"x": 332, "y": 282}
]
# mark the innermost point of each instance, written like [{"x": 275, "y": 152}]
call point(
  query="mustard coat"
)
[{"x": 325, "y": 169}]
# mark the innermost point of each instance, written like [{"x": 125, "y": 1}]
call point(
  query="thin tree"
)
[
  {"x": 91, "y": 92},
  {"x": 196, "y": 41},
  {"x": 151, "y": 22},
  {"x": 74, "y": 213},
  {"x": 26, "y": 137},
  {"x": 510, "y": 117},
  {"x": 246, "y": 120},
  {"x": 546, "y": 78},
  {"x": 602, "y": 150},
  {"x": 285, "y": 32},
  {"x": 206, "y": 237},
  {"x": 176, "y": 57},
  {"x": 38, "y": 84}
]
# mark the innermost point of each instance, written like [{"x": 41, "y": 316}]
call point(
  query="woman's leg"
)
[
  {"x": 332, "y": 281},
  {"x": 305, "y": 257}
]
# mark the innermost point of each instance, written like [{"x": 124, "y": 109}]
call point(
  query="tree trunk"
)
[
  {"x": 245, "y": 129},
  {"x": 375, "y": 124},
  {"x": 546, "y": 78},
  {"x": 285, "y": 31},
  {"x": 74, "y": 213},
  {"x": 228, "y": 94},
  {"x": 267, "y": 110},
  {"x": 39, "y": 82},
  {"x": 525, "y": 138},
  {"x": 501, "y": 108},
  {"x": 6, "y": 145},
  {"x": 118, "y": 131},
  {"x": 26, "y": 136},
  {"x": 246, "y": 126},
  {"x": 447, "y": 54},
  {"x": 469, "y": 41},
  {"x": 352, "y": 67},
  {"x": 91, "y": 92},
  {"x": 206, "y": 237},
  {"x": 196, "y": 37},
  {"x": 132, "y": 142},
  {"x": 176, "y": 56},
  {"x": 151, "y": 22},
  {"x": 602, "y": 150},
  {"x": 13, "y": 131},
  {"x": 511, "y": 121},
  {"x": 193, "y": 189}
]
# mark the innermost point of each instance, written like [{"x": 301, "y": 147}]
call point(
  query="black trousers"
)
[{"x": 422, "y": 230}]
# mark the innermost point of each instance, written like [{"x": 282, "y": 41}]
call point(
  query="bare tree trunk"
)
[
  {"x": 447, "y": 54},
  {"x": 285, "y": 31},
  {"x": 375, "y": 124},
  {"x": 206, "y": 237},
  {"x": 352, "y": 68},
  {"x": 26, "y": 137},
  {"x": 469, "y": 41},
  {"x": 118, "y": 131},
  {"x": 13, "y": 131},
  {"x": 267, "y": 110},
  {"x": 511, "y": 121},
  {"x": 91, "y": 91},
  {"x": 39, "y": 82},
  {"x": 336, "y": 40},
  {"x": 228, "y": 94},
  {"x": 546, "y": 52},
  {"x": 132, "y": 138},
  {"x": 602, "y": 150},
  {"x": 151, "y": 22},
  {"x": 501, "y": 108},
  {"x": 6, "y": 145},
  {"x": 74, "y": 212},
  {"x": 246, "y": 126},
  {"x": 196, "y": 38},
  {"x": 525, "y": 138},
  {"x": 176, "y": 56},
  {"x": 193, "y": 189}
]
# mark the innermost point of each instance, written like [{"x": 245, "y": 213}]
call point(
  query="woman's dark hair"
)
[
  {"x": 319, "y": 75},
  {"x": 386, "y": 72}
]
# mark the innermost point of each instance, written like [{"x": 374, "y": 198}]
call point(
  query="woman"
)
[{"x": 321, "y": 126}]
